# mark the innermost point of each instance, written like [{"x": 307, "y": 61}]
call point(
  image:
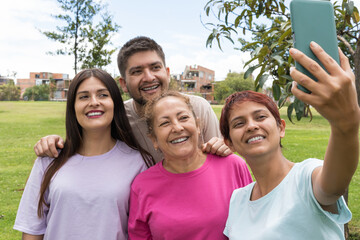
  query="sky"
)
[{"x": 175, "y": 25}]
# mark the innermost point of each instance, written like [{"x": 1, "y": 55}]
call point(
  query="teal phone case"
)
[{"x": 313, "y": 20}]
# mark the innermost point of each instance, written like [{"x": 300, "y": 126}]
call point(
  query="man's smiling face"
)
[{"x": 146, "y": 76}]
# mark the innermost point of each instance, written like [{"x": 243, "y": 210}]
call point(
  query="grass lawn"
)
[{"x": 24, "y": 123}]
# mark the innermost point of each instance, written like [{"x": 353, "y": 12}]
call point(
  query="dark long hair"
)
[{"x": 120, "y": 128}]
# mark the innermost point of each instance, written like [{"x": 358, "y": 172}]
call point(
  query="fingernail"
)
[
  {"x": 292, "y": 69},
  {"x": 314, "y": 44},
  {"x": 293, "y": 51}
]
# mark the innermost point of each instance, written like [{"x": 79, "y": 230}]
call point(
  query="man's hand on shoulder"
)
[
  {"x": 47, "y": 146},
  {"x": 216, "y": 146}
]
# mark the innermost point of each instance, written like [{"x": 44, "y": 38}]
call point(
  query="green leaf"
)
[
  {"x": 284, "y": 35},
  {"x": 263, "y": 79},
  {"x": 207, "y": 11},
  {"x": 287, "y": 77},
  {"x": 276, "y": 91},
  {"x": 278, "y": 59},
  {"x": 299, "y": 108},
  {"x": 356, "y": 17},
  {"x": 209, "y": 40},
  {"x": 250, "y": 44},
  {"x": 249, "y": 71},
  {"x": 282, "y": 100},
  {"x": 290, "y": 111},
  {"x": 237, "y": 21},
  {"x": 282, "y": 6},
  {"x": 288, "y": 87}
]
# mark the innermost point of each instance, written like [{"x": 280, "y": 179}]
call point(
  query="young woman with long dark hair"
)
[{"x": 84, "y": 192}]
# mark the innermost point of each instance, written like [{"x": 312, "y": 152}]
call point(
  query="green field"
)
[{"x": 24, "y": 123}]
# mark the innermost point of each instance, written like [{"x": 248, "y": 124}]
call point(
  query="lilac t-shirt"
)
[
  {"x": 88, "y": 197},
  {"x": 191, "y": 205}
]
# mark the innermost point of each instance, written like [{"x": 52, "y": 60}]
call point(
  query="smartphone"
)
[{"x": 313, "y": 20}]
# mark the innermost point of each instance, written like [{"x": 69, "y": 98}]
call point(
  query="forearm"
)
[
  {"x": 341, "y": 160},
  {"x": 26, "y": 236}
]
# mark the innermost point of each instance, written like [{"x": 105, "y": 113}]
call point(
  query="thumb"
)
[
  {"x": 203, "y": 147},
  {"x": 60, "y": 143}
]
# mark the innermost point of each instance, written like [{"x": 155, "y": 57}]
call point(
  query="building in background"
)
[
  {"x": 59, "y": 83},
  {"x": 197, "y": 80}
]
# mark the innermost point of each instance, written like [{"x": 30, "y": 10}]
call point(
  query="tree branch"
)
[{"x": 347, "y": 44}]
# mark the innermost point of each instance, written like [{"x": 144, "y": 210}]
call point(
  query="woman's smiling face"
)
[
  {"x": 175, "y": 130},
  {"x": 254, "y": 130},
  {"x": 94, "y": 107}
]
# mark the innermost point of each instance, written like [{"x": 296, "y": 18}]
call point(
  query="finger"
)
[
  {"x": 303, "y": 80},
  {"x": 206, "y": 148},
  {"x": 328, "y": 62},
  {"x": 344, "y": 62},
  {"x": 60, "y": 143},
  {"x": 51, "y": 144},
  {"x": 45, "y": 147},
  {"x": 209, "y": 144},
  {"x": 223, "y": 151},
  {"x": 227, "y": 152},
  {"x": 312, "y": 66},
  {"x": 38, "y": 149},
  {"x": 215, "y": 148},
  {"x": 299, "y": 94}
]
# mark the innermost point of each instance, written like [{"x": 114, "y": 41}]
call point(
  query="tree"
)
[
  {"x": 9, "y": 92},
  {"x": 78, "y": 32},
  {"x": 234, "y": 82},
  {"x": 98, "y": 56},
  {"x": 268, "y": 23},
  {"x": 174, "y": 84},
  {"x": 37, "y": 93}
]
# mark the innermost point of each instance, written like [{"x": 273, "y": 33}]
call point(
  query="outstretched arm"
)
[
  {"x": 334, "y": 97},
  {"x": 47, "y": 146}
]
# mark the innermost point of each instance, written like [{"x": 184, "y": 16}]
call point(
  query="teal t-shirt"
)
[{"x": 289, "y": 211}]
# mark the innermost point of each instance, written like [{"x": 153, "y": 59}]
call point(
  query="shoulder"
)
[
  {"x": 148, "y": 175},
  {"x": 232, "y": 159},
  {"x": 308, "y": 165},
  {"x": 129, "y": 108},
  {"x": 128, "y": 102},
  {"x": 123, "y": 148},
  {"x": 242, "y": 194},
  {"x": 197, "y": 100},
  {"x": 43, "y": 162}
]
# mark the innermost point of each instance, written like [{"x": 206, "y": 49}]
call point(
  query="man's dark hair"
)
[{"x": 135, "y": 45}]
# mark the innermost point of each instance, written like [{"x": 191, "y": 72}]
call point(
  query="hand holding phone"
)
[{"x": 313, "y": 20}]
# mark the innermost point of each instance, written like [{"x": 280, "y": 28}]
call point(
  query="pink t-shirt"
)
[{"x": 191, "y": 205}]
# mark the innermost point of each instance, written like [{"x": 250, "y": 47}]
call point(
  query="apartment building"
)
[
  {"x": 198, "y": 80},
  {"x": 61, "y": 83}
]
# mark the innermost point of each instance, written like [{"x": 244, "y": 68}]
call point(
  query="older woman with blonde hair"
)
[{"x": 185, "y": 196}]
